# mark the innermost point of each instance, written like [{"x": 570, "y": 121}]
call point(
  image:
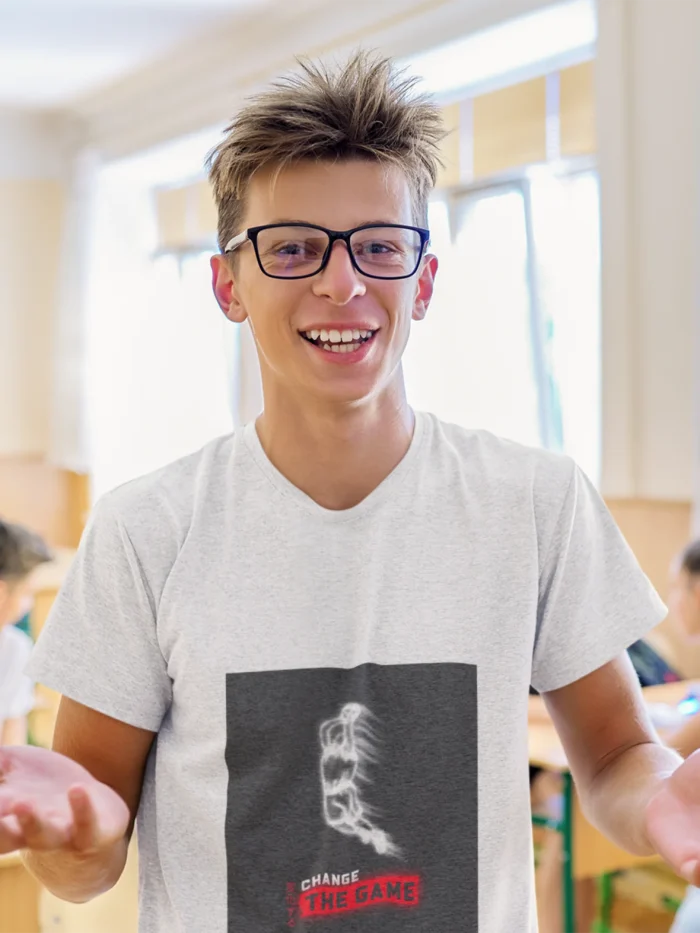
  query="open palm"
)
[
  {"x": 673, "y": 820},
  {"x": 48, "y": 801}
]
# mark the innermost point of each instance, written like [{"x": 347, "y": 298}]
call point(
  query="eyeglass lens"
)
[{"x": 295, "y": 251}]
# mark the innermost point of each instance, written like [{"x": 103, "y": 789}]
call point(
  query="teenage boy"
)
[{"x": 303, "y": 654}]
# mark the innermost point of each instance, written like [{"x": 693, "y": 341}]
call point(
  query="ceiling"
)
[{"x": 52, "y": 52}]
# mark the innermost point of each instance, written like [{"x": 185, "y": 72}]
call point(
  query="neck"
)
[{"x": 335, "y": 454}]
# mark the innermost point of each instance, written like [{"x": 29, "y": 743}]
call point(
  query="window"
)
[
  {"x": 512, "y": 340},
  {"x": 566, "y": 244},
  {"x": 191, "y": 401},
  {"x": 160, "y": 352}
]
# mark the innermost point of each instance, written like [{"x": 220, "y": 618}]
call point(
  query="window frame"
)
[{"x": 520, "y": 180}]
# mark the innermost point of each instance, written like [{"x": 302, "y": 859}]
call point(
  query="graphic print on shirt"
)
[
  {"x": 347, "y": 746},
  {"x": 352, "y": 801}
]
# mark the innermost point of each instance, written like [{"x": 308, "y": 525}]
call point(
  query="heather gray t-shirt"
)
[{"x": 341, "y": 697}]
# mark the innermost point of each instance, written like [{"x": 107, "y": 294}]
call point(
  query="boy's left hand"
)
[{"x": 673, "y": 820}]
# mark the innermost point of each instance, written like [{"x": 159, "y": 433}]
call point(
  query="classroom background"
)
[{"x": 566, "y": 315}]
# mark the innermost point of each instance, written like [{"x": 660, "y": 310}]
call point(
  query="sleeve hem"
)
[
  {"x": 107, "y": 705},
  {"x": 590, "y": 662}
]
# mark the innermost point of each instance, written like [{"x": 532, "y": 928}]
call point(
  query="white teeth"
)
[
  {"x": 341, "y": 339},
  {"x": 341, "y": 347}
]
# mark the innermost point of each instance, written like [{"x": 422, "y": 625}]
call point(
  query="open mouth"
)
[{"x": 338, "y": 341}]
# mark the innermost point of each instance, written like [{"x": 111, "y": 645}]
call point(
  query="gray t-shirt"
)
[{"x": 341, "y": 697}]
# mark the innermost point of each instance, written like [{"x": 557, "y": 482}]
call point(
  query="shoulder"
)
[
  {"x": 172, "y": 489},
  {"x": 155, "y": 511},
  {"x": 503, "y": 463}
]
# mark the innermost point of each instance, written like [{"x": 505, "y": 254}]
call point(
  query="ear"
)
[
  {"x": 426, "y": 285},
  {"x": 225, "y": 290}
]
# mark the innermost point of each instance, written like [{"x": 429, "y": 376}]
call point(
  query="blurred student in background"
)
[
  {"x": 21, "y": 551},
  {"x": 684, "y": 603}
]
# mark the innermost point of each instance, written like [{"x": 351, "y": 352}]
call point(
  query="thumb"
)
[{"x": 690, "y": 871}]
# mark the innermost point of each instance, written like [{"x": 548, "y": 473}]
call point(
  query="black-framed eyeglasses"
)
[{"x": 298, "y": 251}]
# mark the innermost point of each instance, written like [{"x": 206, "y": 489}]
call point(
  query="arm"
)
[
  {"x": 686, "y": 740},
  {"x": 616, "y": 758},
  {"x": 115, "y": 754}
]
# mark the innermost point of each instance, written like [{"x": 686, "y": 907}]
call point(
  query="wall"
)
[
  {"x": 31, "y": 215},
  {"x": 33, "y": 161},
  {"x": 648, "y": 72}
]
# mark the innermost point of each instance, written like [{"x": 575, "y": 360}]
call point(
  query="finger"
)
[
  {"x": 85, "y": 832},
  {"x": 10, "y": 835},
  {"x": 690, "y": 870},
  {"x": 6, "y": 800},
  {"x": 40, "y": 833}
]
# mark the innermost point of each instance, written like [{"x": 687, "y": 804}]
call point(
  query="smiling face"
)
[{"x": 337, "y": 305}]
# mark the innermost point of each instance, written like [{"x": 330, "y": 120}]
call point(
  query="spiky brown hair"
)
[{"x": 365, "y": 109}]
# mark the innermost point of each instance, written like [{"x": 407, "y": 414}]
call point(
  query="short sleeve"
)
[
  {"x": 99, "y": 645},
  {"x": 594, "y": 599}
]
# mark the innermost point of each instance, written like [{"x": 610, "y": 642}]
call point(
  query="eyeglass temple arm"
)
[{"x": 236, "y": 241}]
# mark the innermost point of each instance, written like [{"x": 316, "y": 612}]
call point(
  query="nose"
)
[{"x": 339, "y": 282}]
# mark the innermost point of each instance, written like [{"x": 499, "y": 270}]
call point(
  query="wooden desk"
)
[
  {"x": 587, "y": 853},
  {"x": 19, "y": 897}
]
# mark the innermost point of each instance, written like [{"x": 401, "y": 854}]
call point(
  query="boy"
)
[
  {"x": 303, "y": 653},
  {"x": 21, "y": 551}
]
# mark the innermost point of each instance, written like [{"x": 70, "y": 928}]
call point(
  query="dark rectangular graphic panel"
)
[{"x": 353, "y": 800}]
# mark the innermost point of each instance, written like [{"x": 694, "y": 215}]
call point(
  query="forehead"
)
[{"x": 339, "y": 195}]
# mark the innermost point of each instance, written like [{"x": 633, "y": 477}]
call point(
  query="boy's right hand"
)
[{"x": 48, "y": 802}]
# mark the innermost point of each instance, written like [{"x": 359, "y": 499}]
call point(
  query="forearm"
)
[
  {"x": 78, "y": 878},
  {"x": 615, "y": 800}
]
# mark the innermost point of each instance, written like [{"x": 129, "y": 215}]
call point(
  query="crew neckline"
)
[{"x": 378, "y": 495}]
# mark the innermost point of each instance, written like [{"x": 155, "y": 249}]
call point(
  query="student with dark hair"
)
[{"x": 21, "y": 551}]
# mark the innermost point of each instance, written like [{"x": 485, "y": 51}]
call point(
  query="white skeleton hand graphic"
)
[{"x": 347, "y": 744}]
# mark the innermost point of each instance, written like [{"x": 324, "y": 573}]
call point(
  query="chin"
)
[
  {"x": 348, "y": 397},
  {"x": 346, "y": 386}
]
